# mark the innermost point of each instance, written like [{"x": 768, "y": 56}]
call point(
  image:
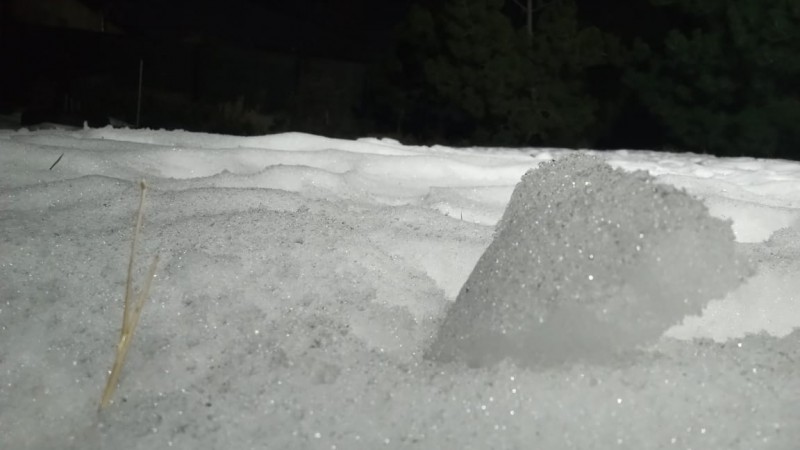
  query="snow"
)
[
  {"x": 588, "y": 263},
  {"x": 302, "y": 280}
]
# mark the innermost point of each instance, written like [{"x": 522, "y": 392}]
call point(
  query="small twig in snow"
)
[{"x": 59, "y": 159}]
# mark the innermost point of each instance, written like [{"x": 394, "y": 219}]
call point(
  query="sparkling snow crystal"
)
[{"x": 587, "y": 262}]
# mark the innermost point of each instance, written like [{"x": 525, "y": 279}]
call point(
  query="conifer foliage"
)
[
  {"x": 725, "y": 82},
  {"x": 473, "y": 72},
  {"x": 717, "y": 76}
]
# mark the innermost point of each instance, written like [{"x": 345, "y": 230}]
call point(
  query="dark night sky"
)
[{"x": 358, "y": 29}]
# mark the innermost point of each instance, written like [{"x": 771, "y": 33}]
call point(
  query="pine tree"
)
[
  {"x": 726, "y": 82},
  {"x": 478, "y": 78}
]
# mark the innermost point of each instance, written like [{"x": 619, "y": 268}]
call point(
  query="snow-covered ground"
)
[{"x": 301, "y": 280}]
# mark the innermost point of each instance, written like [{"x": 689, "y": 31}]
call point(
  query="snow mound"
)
[{"x": 587, "y": 263}]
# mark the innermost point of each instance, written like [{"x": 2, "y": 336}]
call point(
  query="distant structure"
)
[
  {"x": 72, "y": 14},
  {"x": 241, "y": 69}
]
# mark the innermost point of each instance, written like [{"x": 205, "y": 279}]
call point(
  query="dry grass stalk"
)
[{"x": 133, "y": 309}]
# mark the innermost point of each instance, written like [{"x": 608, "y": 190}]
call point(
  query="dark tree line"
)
[{"x": 718, "y": 76}]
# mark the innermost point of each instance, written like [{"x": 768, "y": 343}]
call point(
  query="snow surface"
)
[{"x": 303, "y": 278}]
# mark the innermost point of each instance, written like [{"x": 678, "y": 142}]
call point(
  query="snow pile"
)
[{"x": 588, "y": 261}]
